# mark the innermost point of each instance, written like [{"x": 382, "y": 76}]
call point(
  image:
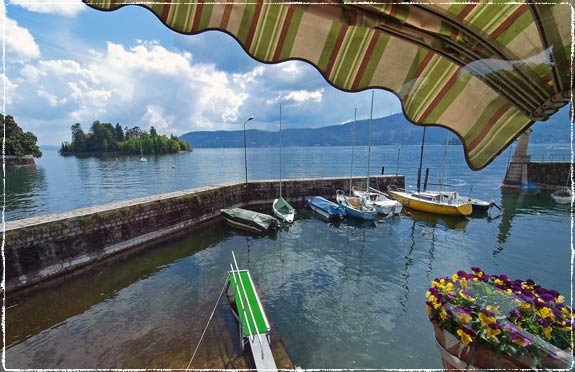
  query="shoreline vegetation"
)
[
  {"x": 19, "y": 143},
  {"x": 107, "y": 139}
]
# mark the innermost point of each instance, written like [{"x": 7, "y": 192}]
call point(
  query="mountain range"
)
[{"x": 389, "y": 130}]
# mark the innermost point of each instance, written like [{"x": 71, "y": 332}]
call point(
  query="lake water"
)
[
  {"x": 342, "y": 295},
  {"x": 60, "y": 183}
]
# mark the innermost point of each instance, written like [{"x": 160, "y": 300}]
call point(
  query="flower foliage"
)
[{"x": 512, "y": 316}]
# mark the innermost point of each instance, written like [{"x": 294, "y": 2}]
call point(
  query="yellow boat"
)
[{"x": 444, "y": 202}]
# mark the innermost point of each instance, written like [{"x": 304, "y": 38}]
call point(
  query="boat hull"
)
[
  {"x": 326, "y": 209},
  {"x": 360, "y": 210},
  {"x": 388, "y": 209},
  {"x": 409, "y": 201},
  {"x": 381, "y": 203},
  {"x": 283, "y": 211},
  {"x": 562, "y": 196},
  {"x": 251, "y": 221}
]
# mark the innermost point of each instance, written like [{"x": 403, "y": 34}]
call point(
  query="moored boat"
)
[
  {"x": 249, "y": 220},
  {"x": 355, "y": 206},
  {"x": 445, "y": 202},
  {"x": 326, "y": 208},
  {"x": 477, "y": 205},
  {"x": 283, "y": 210},
  {"x": 380, "y": 201},
  {"x": 562, "y": 196}
]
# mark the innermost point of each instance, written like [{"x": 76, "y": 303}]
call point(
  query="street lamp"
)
[{"x": 245, "y": 151}]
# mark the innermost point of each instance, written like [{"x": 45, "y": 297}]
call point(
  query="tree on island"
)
[
  {"x": 107, "y": 138},
  {"x": 18, "y": 142}
]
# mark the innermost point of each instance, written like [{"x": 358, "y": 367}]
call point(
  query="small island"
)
[
  {"x": 20, "y": 147},
  {"x": 105, "y": 138}
]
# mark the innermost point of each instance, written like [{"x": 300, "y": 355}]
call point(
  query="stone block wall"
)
[
  {"x": 15, "y": 161},
  {"x": 40, "y": 248},
  {"x": 549, "y": 176}
]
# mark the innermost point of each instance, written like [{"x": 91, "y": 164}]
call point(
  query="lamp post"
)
[{"x": 245, "y": 151}]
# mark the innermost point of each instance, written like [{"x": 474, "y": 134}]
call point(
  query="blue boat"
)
[
  {"x": 355, "y": 206},
  {"x": 325, "y": 208}
]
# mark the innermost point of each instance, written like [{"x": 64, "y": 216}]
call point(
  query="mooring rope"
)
[{"x": 209, "y": 320}]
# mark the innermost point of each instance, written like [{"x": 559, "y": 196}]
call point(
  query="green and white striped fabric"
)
[{"x": 485, "y": 71}]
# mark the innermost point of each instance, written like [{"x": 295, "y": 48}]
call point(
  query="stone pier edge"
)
[{"x": 39, "y": 249}]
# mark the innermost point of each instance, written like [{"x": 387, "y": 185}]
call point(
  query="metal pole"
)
[
  {"x": 280, "y": 150},
  {"x": 246, "y": 151},
  {"x": 397, "y": 165},
  {"x": 369, "y": 144},
  {"x": 420, "y": 162},
  {"x": 352, "y": 148}
]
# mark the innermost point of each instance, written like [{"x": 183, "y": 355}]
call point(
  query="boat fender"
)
[{"x": 408, "y": 213}]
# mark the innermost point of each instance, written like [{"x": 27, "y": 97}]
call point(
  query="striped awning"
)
[{"x": 485, "y": 71}]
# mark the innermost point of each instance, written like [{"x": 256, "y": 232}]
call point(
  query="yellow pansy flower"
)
[
  {"x": 545, "y": 313},
  {"x": 520, "y": 341},
  {"x": 493, "y": 309},
  {"x": 465, "y": 338},
  {"x": 485, "y": 320},
  {"x": 455, "y": 277},
  {"x": 492, "y": 332},
  {"x": 547, "y": 332},
  {"x": 443, "y": 314},
  {"x": 468, "y": 298},
  {"x": 463, "y": 318}
]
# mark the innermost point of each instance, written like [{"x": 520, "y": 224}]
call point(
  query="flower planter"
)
[
  {"x": 457, "y": 356},
  {"x": 492, "y": 322}
]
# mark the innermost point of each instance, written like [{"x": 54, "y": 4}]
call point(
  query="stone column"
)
[{"x": 517, "y": 171}]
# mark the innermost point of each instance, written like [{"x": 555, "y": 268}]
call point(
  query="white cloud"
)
[
  {"x": 9, "y": 88},
  {"x": 145, "y": 85},
  {"x": 301, "y": 96},
  {"x": 68, "y": 8},
  {"x": 156, "y": 117},
  {"x": 20, "y": 44},
  {"x": 249, "y": 77}
]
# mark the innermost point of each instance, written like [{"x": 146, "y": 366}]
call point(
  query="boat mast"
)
[
  {"x": 280, "y": 150},
  {"x": 420, "y": 162},
  {"x": 352, "y": 148},
  {"x": 441, "y": 174},
  {"x": 369, "y": 144}
]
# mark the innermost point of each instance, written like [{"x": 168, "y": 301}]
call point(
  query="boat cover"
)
[
  {"x": 255, "y": 219},
  {"x": 325, "y": 205}
]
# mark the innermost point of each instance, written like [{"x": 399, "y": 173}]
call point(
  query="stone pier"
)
[{"x": 40, "y": 248}]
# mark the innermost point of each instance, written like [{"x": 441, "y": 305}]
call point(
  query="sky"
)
[{"x": 67, "y": 63}]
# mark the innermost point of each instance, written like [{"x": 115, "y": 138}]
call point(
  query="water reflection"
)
[
  {"x": 433, "y": 220},
  {"x": 24, "y": 187},
  {"x": 342, "y": 295},
  {"x": 70, "y": 297}
]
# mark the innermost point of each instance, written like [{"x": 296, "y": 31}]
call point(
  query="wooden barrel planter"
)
[{"x": 457, "y": 356}]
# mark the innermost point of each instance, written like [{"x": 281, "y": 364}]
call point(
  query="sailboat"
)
[
  {"x": 438, "y": 202},
  {"x": 142, "y": 153},
  {"x": 282, "y": 209},
  {"x": 375, "y": 198},
  {"x": 355, "y": 206}
]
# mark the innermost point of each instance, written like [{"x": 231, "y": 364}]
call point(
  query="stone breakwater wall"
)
[
  {"x": 16, "y": 162},
  {"x": 41, "y": 248},
  {"x": 549, "y": 176}
]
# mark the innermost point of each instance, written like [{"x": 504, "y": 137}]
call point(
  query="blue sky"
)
[{"x": 68, "y": 63}]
